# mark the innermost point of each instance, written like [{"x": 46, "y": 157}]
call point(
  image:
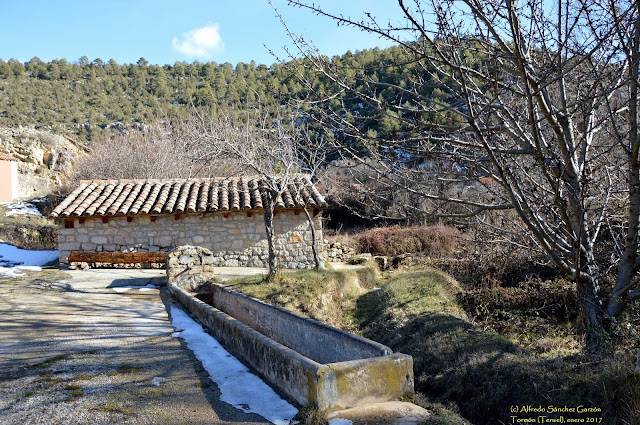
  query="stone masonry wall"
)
[
  {"x": 189, "y": 267},
  {"x": 237, "y": 240}
]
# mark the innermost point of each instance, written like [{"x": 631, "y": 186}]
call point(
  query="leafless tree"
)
[
  {"x": 537, "y": 109},
  {"x": 273, "y": 148},
  {"x": 166, "y": 148}
]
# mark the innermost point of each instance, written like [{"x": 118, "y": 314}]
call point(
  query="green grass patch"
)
[
  {"x": 74, "y": 396},
  {"x": 542, "y": 316},
  {"x": 72, "y": 387},
  {"x": 152, "y": 391},
  {"x": 48, "y": 379},
  {"x": 52, "y": 360},
  {"x": 482, "y": 374},
  {"x": 113, "y": 406},
  {"x": 326, "y": 295},
  {"x": 27, "y": 394}
]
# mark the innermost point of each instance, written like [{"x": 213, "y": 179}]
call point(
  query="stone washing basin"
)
[{"x": 310, "y": 362}]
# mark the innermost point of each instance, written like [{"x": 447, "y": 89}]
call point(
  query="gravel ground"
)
[{"x": 74, "y": 351}]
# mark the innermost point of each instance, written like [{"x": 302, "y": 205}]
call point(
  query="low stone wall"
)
[
  {"x": 338, "y": 252},
  {"x": 235, "y": 240},
  {"x": 337, "y": 384},
  {"x": 189, "y": 267}
]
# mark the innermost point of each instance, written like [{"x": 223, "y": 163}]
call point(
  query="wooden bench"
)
[{"x": 117, "y": 257}]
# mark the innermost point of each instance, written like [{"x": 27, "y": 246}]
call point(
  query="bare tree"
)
[
  {"x": 271, "y": 147},
  {"x": 537, "y": 108},
  {"x": 166, "y": 148}
]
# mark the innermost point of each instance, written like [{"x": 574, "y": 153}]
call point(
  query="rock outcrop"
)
[{"x": 45, "y": 159}]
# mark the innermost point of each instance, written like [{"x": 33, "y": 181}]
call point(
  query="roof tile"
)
[{"x": 132, "y": 197}]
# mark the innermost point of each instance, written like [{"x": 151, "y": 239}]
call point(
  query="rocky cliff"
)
[{"x": 46, "y": 160}]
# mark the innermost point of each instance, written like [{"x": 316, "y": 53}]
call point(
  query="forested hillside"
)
[{"x": 86, "y": 97}]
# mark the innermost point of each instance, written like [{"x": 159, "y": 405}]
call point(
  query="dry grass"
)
[
  {"x": 396, "y": 240},
  {"x": 542, "y": 316},
  {"x": 482, "y": 374},
  {"x": 459, "y": 366}
]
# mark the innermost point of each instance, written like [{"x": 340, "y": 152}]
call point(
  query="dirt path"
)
[{"x": 75, "y": 351}]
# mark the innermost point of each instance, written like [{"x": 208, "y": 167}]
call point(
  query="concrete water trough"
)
[{"x": 309, "y": 361}]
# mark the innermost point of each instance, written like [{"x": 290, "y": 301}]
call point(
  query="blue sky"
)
[{"x": 164, "y": 31}]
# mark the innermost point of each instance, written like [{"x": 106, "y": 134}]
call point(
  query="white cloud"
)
[{"x": 201, "y": 42}]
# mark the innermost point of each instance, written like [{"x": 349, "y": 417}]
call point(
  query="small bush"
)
[
  {"x": 395, "y": 240},
  {"x": 554, "y": 300},
  {"x": 47, "y": 204},
  {"x": 540, "y": 315},
  {"x": 489, "y": 265}
]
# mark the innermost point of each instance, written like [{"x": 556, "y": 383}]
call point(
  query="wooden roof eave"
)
[{"x": 172, "y": 214}]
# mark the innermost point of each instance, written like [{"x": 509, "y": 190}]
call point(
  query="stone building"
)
[{"x": 225, "y": 215}]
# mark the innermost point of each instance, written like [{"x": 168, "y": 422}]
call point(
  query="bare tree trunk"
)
[
  {"x": 629, "y": 262},
  {"x": 314, "y": 241},
  {"x": 268, "y": 224},
  {"x": 588, "y": 290},
  {"x": 543, "y": 114}
]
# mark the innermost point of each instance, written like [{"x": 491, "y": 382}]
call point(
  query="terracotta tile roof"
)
[
  {"x": 6, "y": 157},
  {"x": 130, "y": 197}
]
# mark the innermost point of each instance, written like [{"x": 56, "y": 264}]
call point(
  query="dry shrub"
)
[
  {"x": 541, "y": 315},
  {"x": 164, "y": 149},
  {"x": 153, "y": 153},
  {"x": 483, "y": 374},
  {"x": 48, "y": 203},
  {"x": 396, "y": 240},
  {"x": 552, "y": 300},
  {"x": 489, "y": 265},
  {"x": 344, "y": 239}
]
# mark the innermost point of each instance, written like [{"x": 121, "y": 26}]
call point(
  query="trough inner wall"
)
[
  {"x": 283, "y": 367},
  {"x": 314, "y": 340}
]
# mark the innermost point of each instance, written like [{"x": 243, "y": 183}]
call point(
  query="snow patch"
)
[
  {"x": 239, "y": 387},
  {"x": 21, "y": 208},
  {"x": 9, "y": 272},
  {"x": 157, "y": 380},
  {"x": 147, "y": 287},
  {"x": 339, "y": 421},
  {"x": 15, "y": 261}
]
